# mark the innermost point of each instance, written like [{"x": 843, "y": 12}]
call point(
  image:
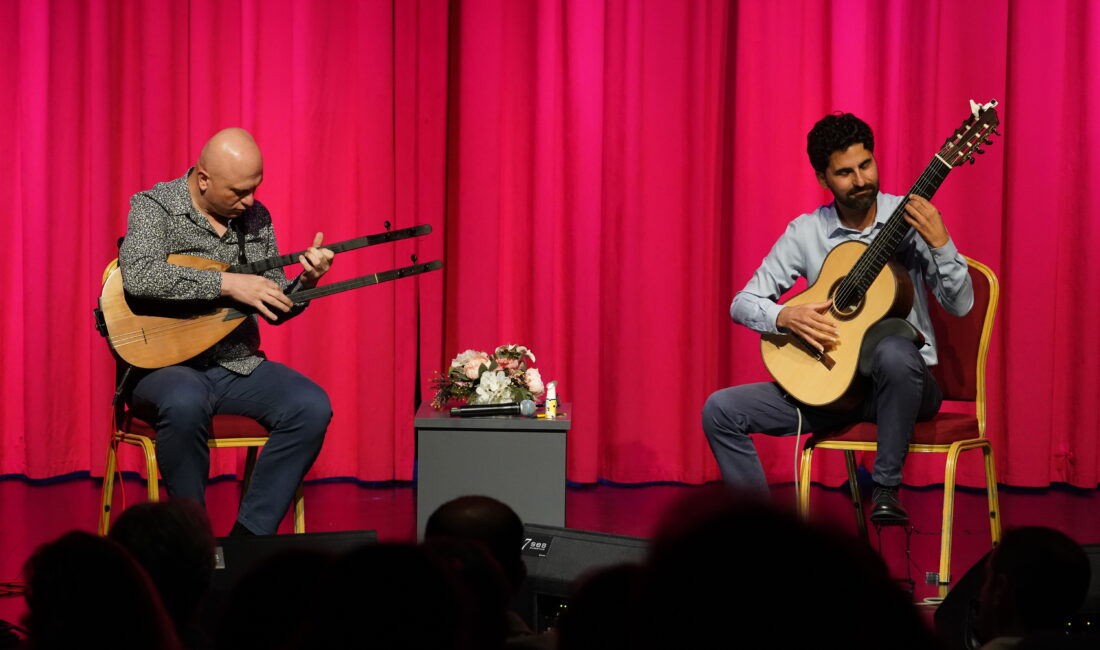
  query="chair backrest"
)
[{"x": 963, "y": 343}]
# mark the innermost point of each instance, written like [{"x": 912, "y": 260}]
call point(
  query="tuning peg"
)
[
  {"x": 979, "y": 150},
  {"x": 996, "y": 132},
  {"x": 971, "y": 160},
  {"x": 386, "y": 225},
  {"x": 988, "y": 141},
  {"x": 413, "y": 258}
]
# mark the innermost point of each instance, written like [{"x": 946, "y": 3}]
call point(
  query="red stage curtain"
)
[{"x": 602, "y": 177}]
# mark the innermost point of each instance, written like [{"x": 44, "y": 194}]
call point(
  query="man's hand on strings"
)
[
  {"x": 810, "y": 322},
  {"x": 256, "y": 291},
  {"x": 926, "y": 220},
  {"x": 316, "y": 261}
]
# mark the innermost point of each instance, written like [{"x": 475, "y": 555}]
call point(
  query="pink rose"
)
[
  {"x": 508, "y": 364},
  {"x": 473, "y": 365}
]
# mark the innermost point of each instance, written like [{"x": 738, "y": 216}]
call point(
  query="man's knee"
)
[
  {"x": 721, "y": 414},
  {"x": 312, "y": 409},
  {"x": 895, "y": 354},
  {"x": 181, "y": 397}
]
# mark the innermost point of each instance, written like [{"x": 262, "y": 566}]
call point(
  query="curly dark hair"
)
[{"x": 836, "y": 132}]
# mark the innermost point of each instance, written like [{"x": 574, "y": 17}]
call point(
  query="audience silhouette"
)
[
  {"x": 724, "y": 570},
  {"x": 1035, "y": 581},
  {"x": 83, "y": 588},
  {"x": 174, "y": 543}
]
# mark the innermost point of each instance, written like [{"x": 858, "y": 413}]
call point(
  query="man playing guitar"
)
[
  {"x": 903, "y": 391},
  {"x": 212, "y": 212}
]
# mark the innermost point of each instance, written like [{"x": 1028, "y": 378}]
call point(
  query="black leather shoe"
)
[
  {"x": 240, "y": 531},
  {"x": 886, "y": 509}
]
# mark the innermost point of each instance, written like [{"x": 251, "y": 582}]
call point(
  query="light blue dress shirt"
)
[{"x": 809, "y": 238}]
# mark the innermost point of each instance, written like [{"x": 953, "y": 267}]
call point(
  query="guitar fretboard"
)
[{"x": 259, "y": 266}]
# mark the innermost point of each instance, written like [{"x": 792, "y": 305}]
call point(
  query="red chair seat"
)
[
  {"x": 223, "y": 427},
  {"x": 943, "y": 429}
]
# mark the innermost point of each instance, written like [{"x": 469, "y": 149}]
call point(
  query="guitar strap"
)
[{"x": 240, "y": 232}]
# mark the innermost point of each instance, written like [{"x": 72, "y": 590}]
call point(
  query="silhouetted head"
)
[
  {"x": 1035, "y": 580},
  {"x": 174, "y": 543},
  {"x": 82, "y": 588},
  {"x": 723, "y": 568},
  {"x": 488, "y": 521}
]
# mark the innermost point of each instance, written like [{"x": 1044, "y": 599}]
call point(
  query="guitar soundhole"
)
[{"x": 840, "y": 309}]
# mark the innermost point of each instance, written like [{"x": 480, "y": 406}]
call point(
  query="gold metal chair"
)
[
  {"x": 227, "y": 431},
  {"x": 963, "y": 348}
]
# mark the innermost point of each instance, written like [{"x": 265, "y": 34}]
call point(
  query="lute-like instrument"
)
[
  {"x": 866, "y": 285},
  {"x": 149, "y": 333}
]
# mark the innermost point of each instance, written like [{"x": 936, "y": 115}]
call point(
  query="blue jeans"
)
[
  {"x": 904, "y": 391},
  {"x": 179, "y": 402}
]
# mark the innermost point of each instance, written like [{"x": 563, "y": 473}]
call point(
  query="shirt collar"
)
[
  {"x": 176, "y": 198},
  {"x": 834, "y": 226}
]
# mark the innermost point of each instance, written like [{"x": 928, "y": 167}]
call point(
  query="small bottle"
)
[{"x": 552, "y": 400}]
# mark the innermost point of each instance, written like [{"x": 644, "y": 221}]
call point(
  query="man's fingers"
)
[
  {"x": 317, "y": 239},
  {"x": 267, "y": 313}
]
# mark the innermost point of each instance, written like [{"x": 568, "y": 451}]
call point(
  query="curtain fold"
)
[{"x": 601, "y": 178}]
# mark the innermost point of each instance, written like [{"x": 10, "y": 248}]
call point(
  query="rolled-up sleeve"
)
[
  {"x": 143, "y": 259},
  {"x": 947, "y": 275},
  {"x": 755, "y": 306}
]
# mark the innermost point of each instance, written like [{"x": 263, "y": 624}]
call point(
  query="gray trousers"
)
[
  {"x": 179, "y": 402},
  {"x": 903, "y": 392}
]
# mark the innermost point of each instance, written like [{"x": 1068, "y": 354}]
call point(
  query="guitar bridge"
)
[{"x": 819, "y": 355}]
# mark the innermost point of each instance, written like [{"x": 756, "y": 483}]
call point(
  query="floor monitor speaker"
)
[{"x": 557, "y": 557}]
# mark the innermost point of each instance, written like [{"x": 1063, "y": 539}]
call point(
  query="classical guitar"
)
[
  {"x": 150, "y": 333},
  {"x": 865, "y": 285}
]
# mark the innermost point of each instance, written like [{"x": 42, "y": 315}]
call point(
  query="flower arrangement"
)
[{"x": 479, "y": 378}]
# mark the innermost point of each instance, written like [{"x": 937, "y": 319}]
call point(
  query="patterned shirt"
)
[
  {"x": 163, "y": 221},
  {"x": 810, "y": 237}
]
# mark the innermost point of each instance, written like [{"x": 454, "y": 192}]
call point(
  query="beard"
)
[{"x": 860, "y": 198}]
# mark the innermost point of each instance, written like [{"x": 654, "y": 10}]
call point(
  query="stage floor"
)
[{"x": 35, "y": 512}]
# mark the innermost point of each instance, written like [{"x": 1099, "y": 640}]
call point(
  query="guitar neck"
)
[
  {"x": 259, "y": 266},
  {"x": 870, "y": 264},
  {"x": 354, "y": 283}
]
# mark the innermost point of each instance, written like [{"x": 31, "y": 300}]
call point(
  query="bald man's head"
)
[{"x": 228, "y": 171}]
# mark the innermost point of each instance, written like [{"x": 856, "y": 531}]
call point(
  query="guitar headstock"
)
[{"x": 976, "y": 130}]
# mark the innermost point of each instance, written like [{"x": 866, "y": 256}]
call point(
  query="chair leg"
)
[
  {"x": 300, "y": 509},
  {"x": 151, "y": 470},
  {"x": 948, "y": 519},
  {"x": 804, "y": 481},
  {"x": 108, "y": 486},
  {"x": 853, "y": 487},
  {"x": 991, "y": 493}
]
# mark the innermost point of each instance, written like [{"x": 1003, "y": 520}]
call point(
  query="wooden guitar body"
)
[
  {"x": 831, "y": 379},
  {"x": 151, "y": 333}
]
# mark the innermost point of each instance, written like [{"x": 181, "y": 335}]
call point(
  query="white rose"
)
[{"x": 461, "y": 359}]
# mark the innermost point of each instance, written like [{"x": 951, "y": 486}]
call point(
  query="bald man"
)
[{"x": 212, "y": 212}]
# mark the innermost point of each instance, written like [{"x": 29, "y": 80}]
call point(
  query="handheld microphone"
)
[{"x": 525, "y": 408}]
